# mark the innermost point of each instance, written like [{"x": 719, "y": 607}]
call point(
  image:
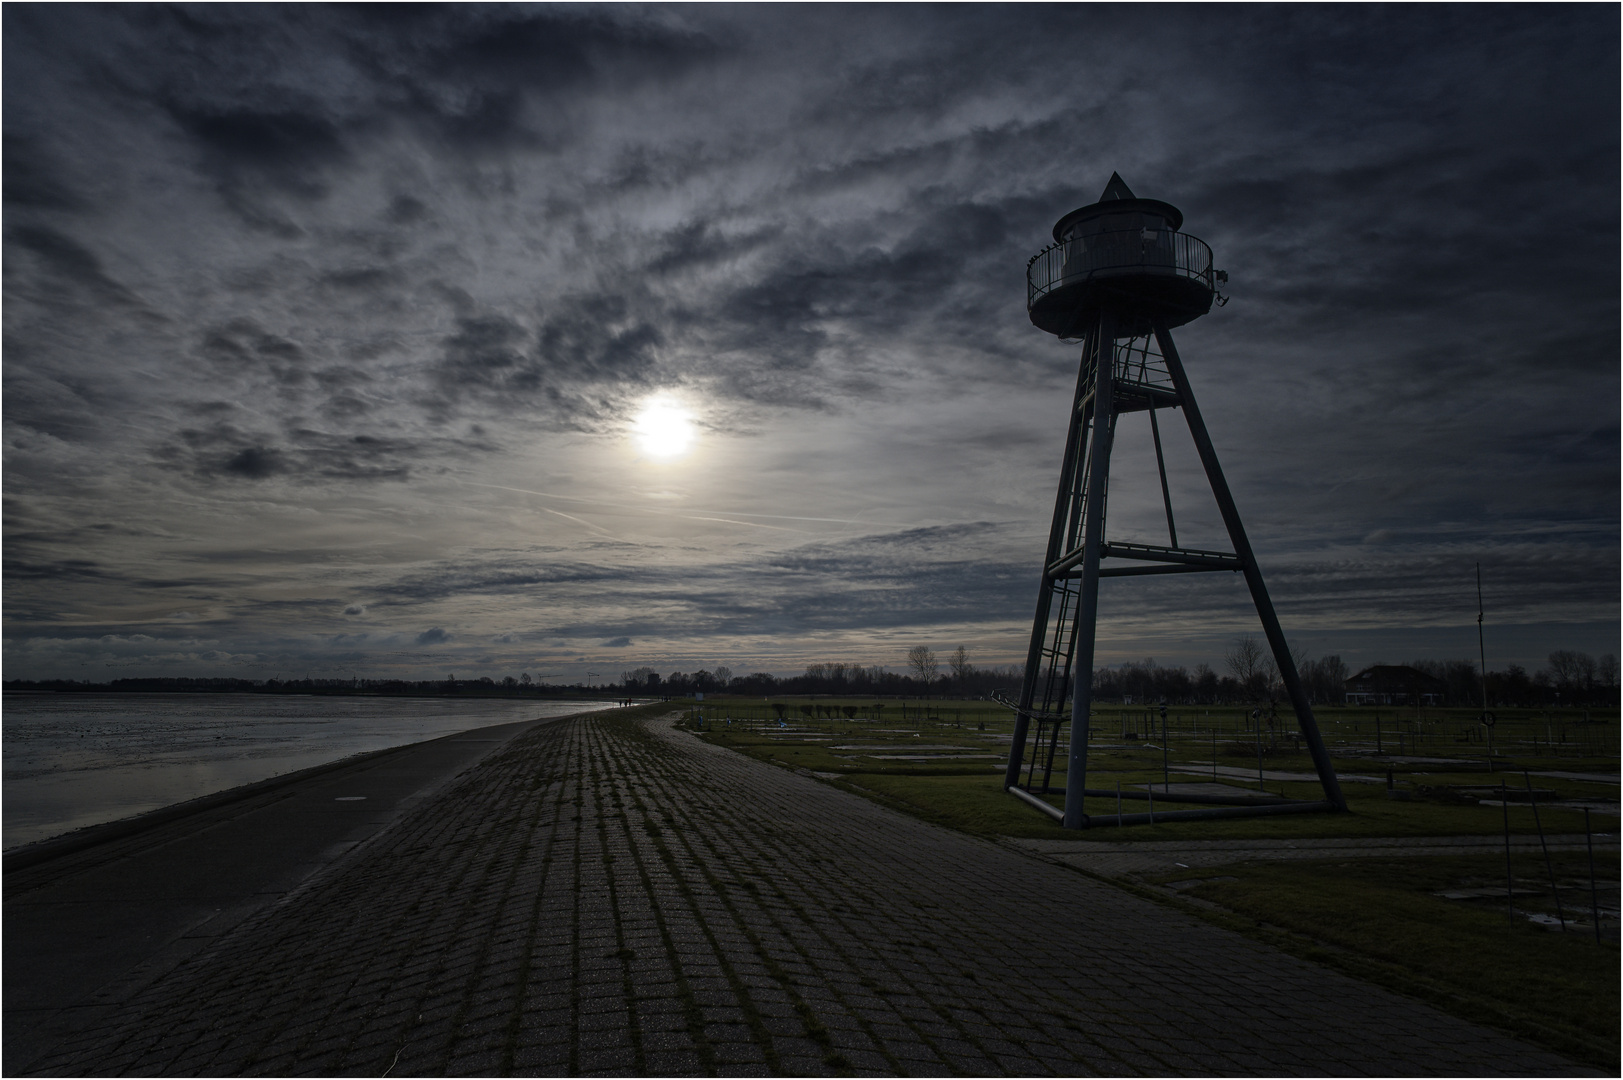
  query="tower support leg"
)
[
  {"x": 1253, "y": 575},
  {"x": 1087, "y": 608},
  {"x": 1081, "y": 410}
]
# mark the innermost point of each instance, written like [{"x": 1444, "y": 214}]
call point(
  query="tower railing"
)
[{"x": 1124, "y": 251}]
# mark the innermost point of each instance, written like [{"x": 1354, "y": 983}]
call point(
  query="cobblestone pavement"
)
[{"x": 611, "y": 896}]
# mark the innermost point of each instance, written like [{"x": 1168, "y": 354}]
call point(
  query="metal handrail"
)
[{"x": 1156, "y": 251}]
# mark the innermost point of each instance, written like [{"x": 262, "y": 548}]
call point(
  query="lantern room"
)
[{"x": 1122, "y": 252}]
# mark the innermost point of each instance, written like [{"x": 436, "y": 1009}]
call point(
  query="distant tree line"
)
[
  {"x": 1571, "y": 678},
  {"x": 961, "y": 679},
  {"x": 1250, "y": 675}
]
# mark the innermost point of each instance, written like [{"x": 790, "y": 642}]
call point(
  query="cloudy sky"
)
[{"x": 328, "y": 330}]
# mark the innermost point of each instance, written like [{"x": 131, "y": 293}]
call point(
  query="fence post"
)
[
  {"x": 1510, "y": 894},
  {"x": 1555, "y": 892},
  {"x": 1594, "y": 904}
]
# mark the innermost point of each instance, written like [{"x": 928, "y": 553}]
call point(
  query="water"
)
[{"x": 72, "y": 760}]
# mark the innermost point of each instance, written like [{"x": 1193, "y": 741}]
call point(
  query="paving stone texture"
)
[{"x": 611, "y": 896}]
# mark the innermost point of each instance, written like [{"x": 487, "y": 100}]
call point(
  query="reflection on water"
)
[{"x": 72, "y": 760}]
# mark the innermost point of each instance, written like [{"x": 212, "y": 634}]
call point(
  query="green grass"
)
[
  {"x": 967, "y": 794},
  {"x": 1541, "y": 738},
  {"x": 978, "y": 804},
  {"x": 973, "y": 804},
  {"x": 1380, "y": 919},
  {"x": 970, "y": 797}
]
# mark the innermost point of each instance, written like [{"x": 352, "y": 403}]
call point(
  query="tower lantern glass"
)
[{"x": 1118, "y": 277}]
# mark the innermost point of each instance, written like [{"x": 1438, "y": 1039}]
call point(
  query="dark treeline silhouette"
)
[
  {"x": 1570, "y": 678},
  {"x": 1250, "y": 680},
  {"x": 837, "y": 679}
]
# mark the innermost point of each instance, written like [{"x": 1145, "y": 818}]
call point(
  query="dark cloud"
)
[
  {"x": 701, "y": 244},
  {"x": 243, "y": 344},
  {"x": 256, "y": 463},
  {"x": 71, "y": 262},
  {"x": 225, "y": 451},
  {"x": 363, "y": 278},
  {"x": 32, "y": 184},
  {"x": 433, "y": 636},
  {"x": 475, "y": 76},
  {"x": 482, "y": 82},
  {"x": 290, "y": 151},
  {"x": 406, "y": 210},
  {"x": 617, "y": 643},
  {"x": 61, "y": 570},
  {"x": 598, "y": 339},
  {"x": 585, "y": 341}
]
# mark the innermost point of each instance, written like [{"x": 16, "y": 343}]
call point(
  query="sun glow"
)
[{"x": 663, "y": 429}]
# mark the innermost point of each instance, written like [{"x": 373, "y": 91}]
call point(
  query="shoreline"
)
[
  {"x": 159, "y": 754},
  {"x": 88, "y": 836},
  {"x": 83, "y": 837}
]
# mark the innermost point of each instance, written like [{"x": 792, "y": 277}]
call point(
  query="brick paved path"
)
[{"x": 611, "y": 896}]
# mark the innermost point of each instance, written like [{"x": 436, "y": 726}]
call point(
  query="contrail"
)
[
  {"x": 579, "y": 521},
  {"x": 748, "y": 524}
]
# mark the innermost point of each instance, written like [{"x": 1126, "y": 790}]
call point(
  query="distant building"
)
[{"x": 1386, "y": 684}]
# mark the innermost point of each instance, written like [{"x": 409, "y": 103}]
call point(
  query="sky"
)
[{"x": 357, "y": 341}]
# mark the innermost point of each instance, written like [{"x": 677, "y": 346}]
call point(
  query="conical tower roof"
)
[
  {"x": 1118, "y": 198},
  {"x": 1116, "y": 189}
]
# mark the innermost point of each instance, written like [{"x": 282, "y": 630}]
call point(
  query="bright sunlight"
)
[{"x": 664, "y": 429}]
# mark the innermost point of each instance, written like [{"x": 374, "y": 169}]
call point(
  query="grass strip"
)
[{"x": 1378, "y": 920}]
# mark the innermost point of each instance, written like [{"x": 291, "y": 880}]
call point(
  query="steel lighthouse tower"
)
[{"x": 1119, "y": 277}]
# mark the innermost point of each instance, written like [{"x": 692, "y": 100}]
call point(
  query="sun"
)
[{"x": 663, "y": 428}]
